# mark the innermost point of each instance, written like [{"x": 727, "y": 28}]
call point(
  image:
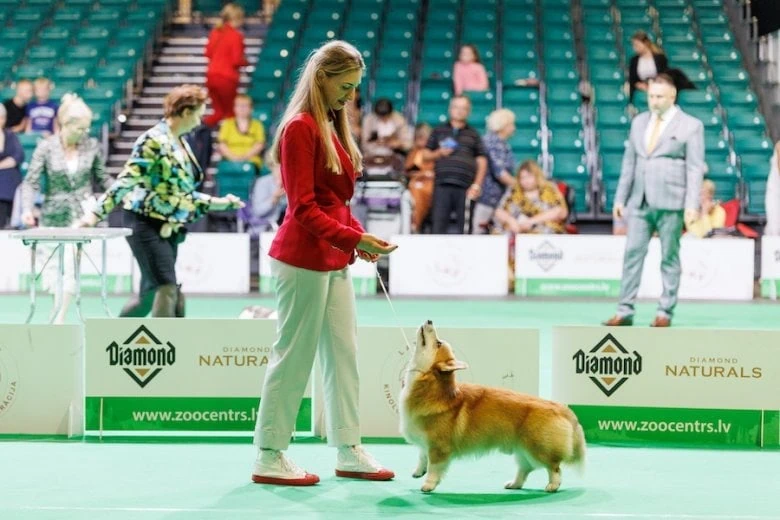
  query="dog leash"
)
[{"x": 392, "y": 308}]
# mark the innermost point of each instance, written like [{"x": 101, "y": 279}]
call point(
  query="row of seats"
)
[
  {"x": 520, "y": 39},
  {"x": 696, "y": 37},
  {"x": 88, "y": 47}
]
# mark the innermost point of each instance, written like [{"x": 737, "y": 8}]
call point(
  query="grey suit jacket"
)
[{"x": 670, "y": 177}]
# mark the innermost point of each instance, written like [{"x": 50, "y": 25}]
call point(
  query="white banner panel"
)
[
  {"x": 41, "y": 379},
  {"x": 770, "y": 266},
  {"x": 211, "y": 263},
  {"x": 568, "y": 265},
  {"x": 507, "y": 358},
  {"x": 442, "y": 265},
  {"x": 363, "y": 273},
  {"x": 677, "y": 368},
  {"x": 178, "y": 375},
  {"x": 15, "y": 262},
  {"x": 592, "y": 265},
  {"x": 712, "y": 269}
]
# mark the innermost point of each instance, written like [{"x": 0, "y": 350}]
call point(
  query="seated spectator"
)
[
  {"x": 11, "y": 156},
  {"x": 534, "y": 205},
  {"x": 501, "y": 164},
  {"x": 241, "y": 138},
  {"x": 41, "y": 113},
  {"x": 420, "y": 175},
  {"x": 268, "y": 201},
  {"x": 385, "y": 135},
  {"x": 772, "y": 196},
  {"x": 16, "y": 107},
  {"x": 468, "y": 73},
  {"x": 712, "y": 215}
]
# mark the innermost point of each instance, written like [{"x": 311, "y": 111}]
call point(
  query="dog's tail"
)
[{"x": 578, "y": 448}]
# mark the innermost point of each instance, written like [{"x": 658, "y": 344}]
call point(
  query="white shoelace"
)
[
  {"x": 365, "y": 457},
  {"x": 289, "y": 466}
]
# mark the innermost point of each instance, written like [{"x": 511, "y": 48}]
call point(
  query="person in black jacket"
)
[{"x": 648, "y": 62}]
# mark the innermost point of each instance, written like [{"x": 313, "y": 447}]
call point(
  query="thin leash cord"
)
[{"x": 392, "y": 308}]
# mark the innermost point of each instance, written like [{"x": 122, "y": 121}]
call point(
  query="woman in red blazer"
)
[
  {"x": 225, "y": 51},
  {"x": 313, "y": 248}
]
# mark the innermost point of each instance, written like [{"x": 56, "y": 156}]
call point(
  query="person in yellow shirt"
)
[
  {"x": 241, "y": 138},
  {"x": 712, "y": 215}
]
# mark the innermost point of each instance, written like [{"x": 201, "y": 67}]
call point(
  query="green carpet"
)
[{"x": 76, "y": 481}]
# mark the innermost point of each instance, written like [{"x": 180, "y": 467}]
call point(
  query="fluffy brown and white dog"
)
[{"x": 447, "y": 420}]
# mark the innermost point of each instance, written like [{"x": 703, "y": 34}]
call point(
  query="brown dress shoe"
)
[
  {"x": 619, "y": 321},
  {"x": 661, "y": 321}
]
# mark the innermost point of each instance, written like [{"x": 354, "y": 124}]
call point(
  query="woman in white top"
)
[{"x": 648, "y": 62}]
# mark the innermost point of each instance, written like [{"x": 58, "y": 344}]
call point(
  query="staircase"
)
[{"x": 180, "y": 60}]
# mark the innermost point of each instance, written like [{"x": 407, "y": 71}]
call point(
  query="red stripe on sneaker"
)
[
  {"x": 308, "y": 480},
  {"x": 382, "y": 474}
]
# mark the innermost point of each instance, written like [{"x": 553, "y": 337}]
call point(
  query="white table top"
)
[{"x": 71, "y": 234}]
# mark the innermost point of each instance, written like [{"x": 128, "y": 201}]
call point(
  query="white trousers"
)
[{"x": 316, "y": 314}]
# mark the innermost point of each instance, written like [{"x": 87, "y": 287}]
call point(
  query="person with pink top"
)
[{"x": 469, "y": 73}]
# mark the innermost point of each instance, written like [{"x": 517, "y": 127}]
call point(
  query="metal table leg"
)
[
  {"x": 77, "y": 272},
  {"x": 60, "y": 281},
  {"x": 33, "y": 275},
  {"x": 103, "y": 278}
]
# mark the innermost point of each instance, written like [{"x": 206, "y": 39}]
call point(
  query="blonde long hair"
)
[
  {"x": 230, "y": 13},
  {"x": 643, "y": 37},
  {"x": 334, "y": 58}
]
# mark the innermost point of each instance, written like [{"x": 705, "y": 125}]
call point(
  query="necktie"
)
[{"x": 654, "y": 135}]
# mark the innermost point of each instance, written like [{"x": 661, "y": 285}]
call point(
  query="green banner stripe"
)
[
  {"x": 218, "y": 414},
  {"x": 680, "y": 426},
  {"x": 769, "y": 288},
  {"x": 567, "y": 287}
]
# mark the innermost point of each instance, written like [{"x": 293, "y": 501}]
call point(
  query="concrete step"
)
[{"x": 183, "y": 41}]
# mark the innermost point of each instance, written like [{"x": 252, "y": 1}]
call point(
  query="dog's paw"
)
[
  {"x": 428, "y": 487},
  {"x": 513, "y": 484},
  {"x": 419, "y": 472},
  {"x": 552, "y": 487}
]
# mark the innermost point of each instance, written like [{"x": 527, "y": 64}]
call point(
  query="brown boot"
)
[
  {"x": 619, "y": 321},
  {"x": 661, "y": 321}
]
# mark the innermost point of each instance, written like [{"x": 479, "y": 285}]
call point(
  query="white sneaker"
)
[
  {"x": 273, "y": 467},
  {"x": 355, "y": 462}
]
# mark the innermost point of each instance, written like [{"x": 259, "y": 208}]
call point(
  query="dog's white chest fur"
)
[{"x": 411, "y": 433}]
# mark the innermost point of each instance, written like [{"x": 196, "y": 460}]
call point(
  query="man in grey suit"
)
[{"x": 658, "y": 189}]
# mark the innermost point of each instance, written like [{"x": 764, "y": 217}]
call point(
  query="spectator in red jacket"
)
[
  {"x": 225, "y": 51},
  {"x": 311, "y": 253}
]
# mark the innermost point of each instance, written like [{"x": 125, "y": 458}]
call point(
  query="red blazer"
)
[
  {"x": 318, "y": 232},
  {"x": 225, "y": 51}
]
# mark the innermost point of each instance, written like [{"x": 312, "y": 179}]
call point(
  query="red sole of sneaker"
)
[
  {"x": 379, "y": 475},
  {"x": 308, "y": 480}
]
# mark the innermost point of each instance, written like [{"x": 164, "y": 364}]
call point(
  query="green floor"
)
[
  {"x": 85, "y": 481},
  {"x": 75, "y": 481}
]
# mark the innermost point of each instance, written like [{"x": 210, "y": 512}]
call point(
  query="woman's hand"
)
[
  {"x": 373, "y": 245},
  {"x": 28, "y": 219},
  {"x": 88, "y": 220},
  {"x": 368, "y": 257},
  {"x": 521, "y": 226},
  {"x": 229, "y": 201}
]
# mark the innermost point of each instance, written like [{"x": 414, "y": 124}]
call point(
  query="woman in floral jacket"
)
[{"x": 158, "y": 192}]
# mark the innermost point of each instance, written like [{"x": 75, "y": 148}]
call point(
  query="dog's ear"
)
[{"x": 450, "y": 365}]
